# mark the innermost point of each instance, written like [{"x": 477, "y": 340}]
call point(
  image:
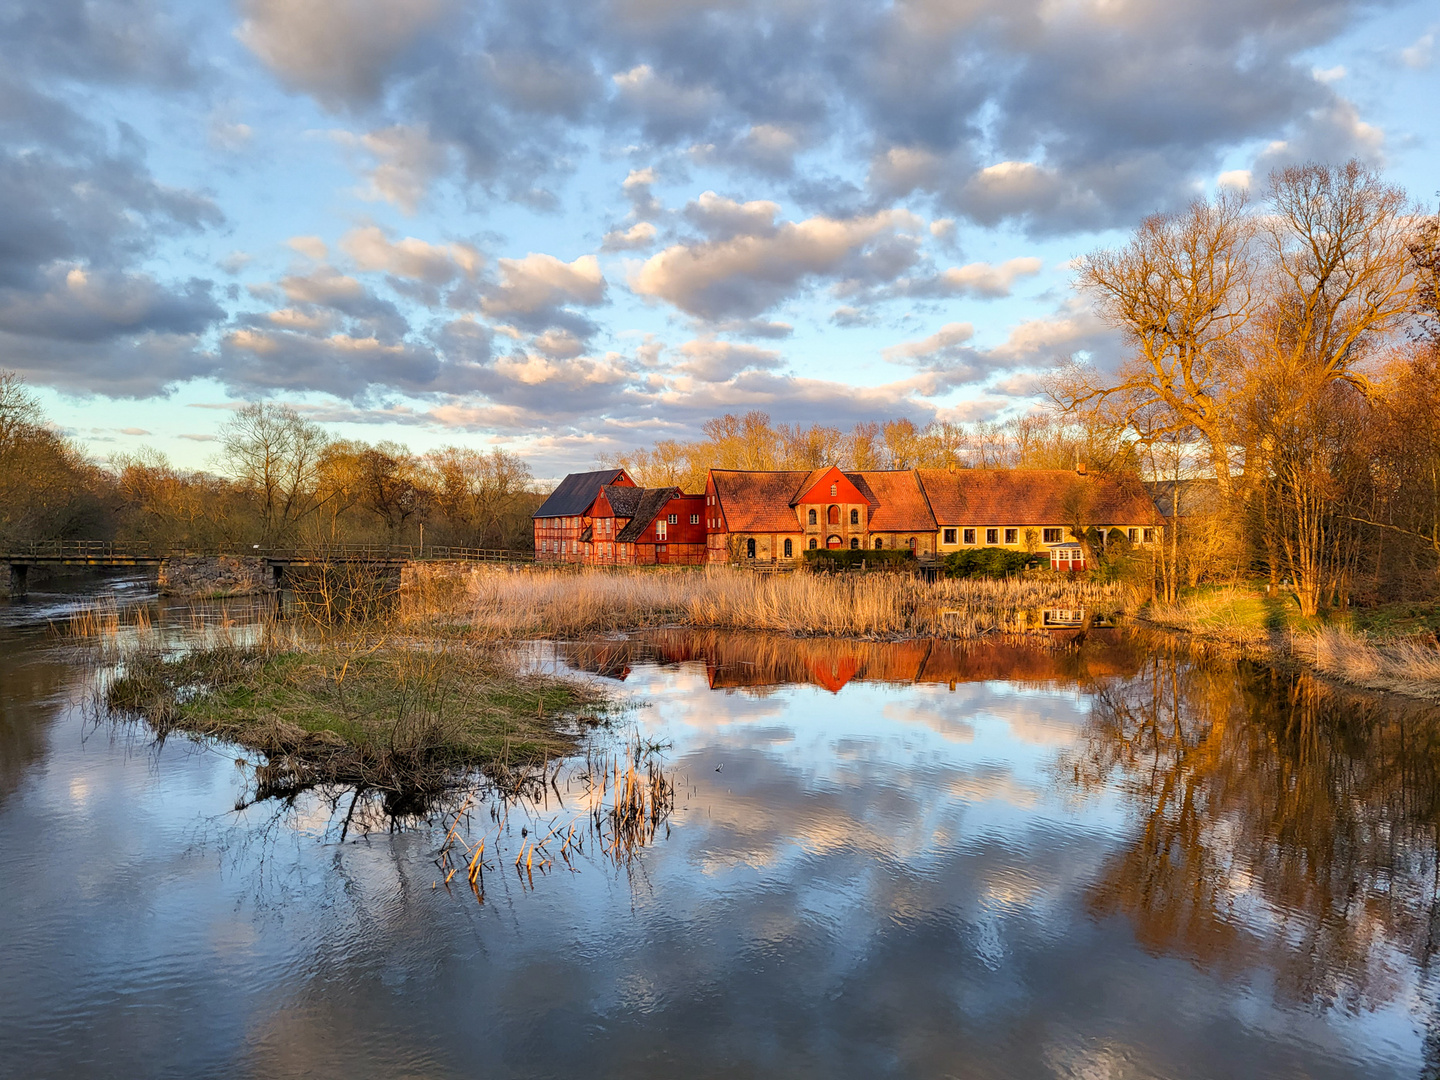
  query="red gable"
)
[{"x": 828, "y": 486}]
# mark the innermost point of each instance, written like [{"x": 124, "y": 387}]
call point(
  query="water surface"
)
[{"x": 886, "y": 860}]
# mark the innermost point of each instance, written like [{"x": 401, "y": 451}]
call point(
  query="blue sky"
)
[{"x": 570, "y": 228}]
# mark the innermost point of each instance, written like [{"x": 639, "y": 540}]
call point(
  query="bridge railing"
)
[{"x": 112, "y": 549}]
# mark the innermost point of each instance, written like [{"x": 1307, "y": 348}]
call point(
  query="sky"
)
[{"x": 567, "y": 229}]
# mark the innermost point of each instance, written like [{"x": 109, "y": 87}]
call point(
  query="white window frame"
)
[
  {"x": 694, "y": 519},
  {"x": 1012, "y": 536},
  {"x": 967, "y": 536},
  {"x": 949, "y": 535},
  {"x": 1052, "y": 536},
  {"x": 660, "y": 530},
  {"x": 992, "y": 536}
]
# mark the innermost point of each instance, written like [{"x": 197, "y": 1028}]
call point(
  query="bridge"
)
[{"x": 108, "y": 553}]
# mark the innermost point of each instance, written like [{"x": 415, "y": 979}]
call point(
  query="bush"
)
[
  {"x": 847, "y": 558},
  {"x": 990, "y": 563}
]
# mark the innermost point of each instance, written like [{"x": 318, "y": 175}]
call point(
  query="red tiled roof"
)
[
  {"x": 896, "y": 502},
  {"x": 758, "y": 501},
  {"x": 1031, "y": 497}
]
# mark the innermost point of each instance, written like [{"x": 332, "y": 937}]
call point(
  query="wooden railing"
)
[{"x": 120, "y": 550}]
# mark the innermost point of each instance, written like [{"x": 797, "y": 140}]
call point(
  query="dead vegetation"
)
[{"x": 513, "y": 603}]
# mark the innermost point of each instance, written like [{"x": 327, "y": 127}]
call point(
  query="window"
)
[
  {"x": 750, "y": 548},
  {"x": 879, "y": 543},
  {"x": 1012, "y": 536},
  {"x": 694, "y": 519},
  {"x": 659, "y": 530},
  {"x": 834, "y": 490},
  {"x": 674, "y": 519},
  {"x": 992, "y": 536},
  {"x": 969, "y": 536},
  {"x": 832, "y": 516},
  {"x": 811, "y": 519},
  {"x": 854, "y": 517},
  {"x": 910, "y": 543},
  {"x": 1148, "y": 535},
  {"x": 812, "y": 543},
  {"x": 948, "y": 537},
  {"x": 1133, "y": 535},
  {"x": 1053, "y": 536},
  {"x": 854, "y": 542},
  {"x": 789, "y": 549}
]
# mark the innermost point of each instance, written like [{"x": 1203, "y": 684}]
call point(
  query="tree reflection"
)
[{"x": 1283, "y": 823}]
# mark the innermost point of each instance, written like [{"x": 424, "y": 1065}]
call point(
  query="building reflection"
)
[{"x": 741, "y": 661}]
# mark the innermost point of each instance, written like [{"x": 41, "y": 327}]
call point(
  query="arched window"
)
[
  {"x": 879, "y": 543},
  {"x": 750, "y": 548},
  {"x": 911, "y": 543},
  {"x": 788, "y": 549},
  {"x": 832, "y": 542},
  {"x": 854, "y": 517},
  {"x": 812, "y": 543},
  {"x": 854, "y": 542},
  {"x": 812, "y": 515},
  {"x": 833, "y": 515}
]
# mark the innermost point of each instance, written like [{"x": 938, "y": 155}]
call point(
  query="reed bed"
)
[
  {"x": 501, "y": 603},
  {"x": 1407, "y": 666}
]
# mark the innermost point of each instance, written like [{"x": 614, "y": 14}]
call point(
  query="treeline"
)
[
  {"x": 279, "y": 481},
  {"x": 1044, "y": 440},
  {"x": 1284, "y": 368}
]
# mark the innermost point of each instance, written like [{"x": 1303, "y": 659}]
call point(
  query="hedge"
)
[{"x": 846, "y": 558}]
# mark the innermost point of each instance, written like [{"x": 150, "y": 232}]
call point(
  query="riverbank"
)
[{"x": 1392, "y": 648}]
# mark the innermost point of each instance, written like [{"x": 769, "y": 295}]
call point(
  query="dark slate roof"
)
[
  {"x": 652, "y": 501},
  {"x": 576, "y": 492},
  {"x": 1196, "y": 497},
  {"x": 623, "y": 500}
]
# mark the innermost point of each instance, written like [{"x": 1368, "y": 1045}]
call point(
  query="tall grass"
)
[
  {"x": 1411, "y": 667},
  {"x": 502, "y": 602}
]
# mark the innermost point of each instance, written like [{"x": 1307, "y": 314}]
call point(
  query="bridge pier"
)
[
  {"x": 277, "y": 576},
  {"x": 19, "y": 579}
]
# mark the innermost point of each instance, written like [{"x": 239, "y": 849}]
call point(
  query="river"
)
[{"x": 909, "y": 860}]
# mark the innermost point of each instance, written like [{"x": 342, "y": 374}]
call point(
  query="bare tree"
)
[
  {"x": 1181, "y": 292},
  {"x": 274, "y": 454}
]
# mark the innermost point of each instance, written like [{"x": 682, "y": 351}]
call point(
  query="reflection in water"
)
[
  {"x": 757, "y": 662},
  {"x": 1104, "y": 859},
  {"x": 1283, "y": 824}
]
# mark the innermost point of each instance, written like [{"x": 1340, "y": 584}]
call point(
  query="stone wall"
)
[{"x": 200, "y": 577}]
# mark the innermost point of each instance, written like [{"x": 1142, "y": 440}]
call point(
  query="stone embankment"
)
[{"x": 208, "y": 577}]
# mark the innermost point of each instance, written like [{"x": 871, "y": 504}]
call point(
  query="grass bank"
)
[
  {"x": 1391, "y": 647},
  {"x": 498, "y": 602}
]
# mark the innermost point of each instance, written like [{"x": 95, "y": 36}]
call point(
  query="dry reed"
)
[
  {"x": 500, "y": 603},
  {"x": 1409, "y": 667}
]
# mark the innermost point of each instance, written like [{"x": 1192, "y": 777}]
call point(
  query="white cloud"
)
[
  {"x": 435, "y": 264},
  {"x": 406, "y": 162},
  {"x": 537, "y": 282},
  {"x": 718, "y": 361},
  {"x": 982, "y": 279},
  {"x": 1239, "y": 179},
  {"x": 640, "y": 235},
  {"x": 335, "y": 49},
  {"x": 746, "y": 274},
  {"x": 939, "y": 343},
  {"x": 1421, "y": 53},
  {"x": 312, "y": 247}
]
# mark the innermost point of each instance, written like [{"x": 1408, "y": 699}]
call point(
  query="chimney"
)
[{"x": 1080, "y": 467}]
